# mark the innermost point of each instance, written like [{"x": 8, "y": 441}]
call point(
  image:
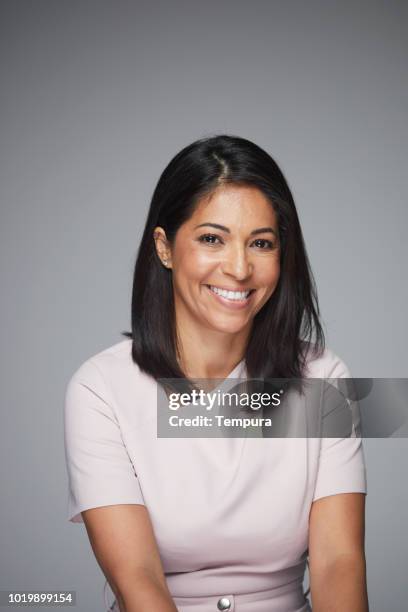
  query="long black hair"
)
[{"x": 287, "y": 327}]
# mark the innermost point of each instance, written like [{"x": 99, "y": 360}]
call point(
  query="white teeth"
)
[{"x": 230, "y": 295}]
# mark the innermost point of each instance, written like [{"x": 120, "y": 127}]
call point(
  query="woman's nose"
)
[{"x": 237, "y": 264}]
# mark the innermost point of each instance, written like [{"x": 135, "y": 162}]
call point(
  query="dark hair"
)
[{"x": 287, "y": 327}]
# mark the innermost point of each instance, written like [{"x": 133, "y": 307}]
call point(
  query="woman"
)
[{"x": 222, "y": 289}]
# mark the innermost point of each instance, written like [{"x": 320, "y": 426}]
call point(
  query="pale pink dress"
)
[{"x": 230, "y": 515}]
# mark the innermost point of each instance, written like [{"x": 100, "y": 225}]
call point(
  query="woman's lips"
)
[{"x": 229, "y": 303}]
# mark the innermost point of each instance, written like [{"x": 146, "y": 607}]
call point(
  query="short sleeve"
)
[
  {"x": 100, "y": 471},
  {"x": 341, "y": 466}
]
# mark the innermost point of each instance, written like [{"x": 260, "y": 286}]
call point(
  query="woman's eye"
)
[
  {"x": 264, "y": 244},
  {"x": 212, "y": 239},
  {"x": 209, "y": 239}
]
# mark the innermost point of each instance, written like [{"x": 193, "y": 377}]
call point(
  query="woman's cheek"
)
[
  {"x": 202, "y": 263},
  {"x": 269, "y": 276}
]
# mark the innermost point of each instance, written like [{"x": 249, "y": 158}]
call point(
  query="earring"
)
[{"x": 165, "y": 262}]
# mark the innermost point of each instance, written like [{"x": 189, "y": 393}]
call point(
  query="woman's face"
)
[{"x": 224, "y": 259}]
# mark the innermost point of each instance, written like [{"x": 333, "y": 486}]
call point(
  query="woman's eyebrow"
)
[{"x": 259, "y": 230}]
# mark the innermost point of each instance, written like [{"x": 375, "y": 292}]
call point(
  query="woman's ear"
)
[{"x": 162, "y": 246}]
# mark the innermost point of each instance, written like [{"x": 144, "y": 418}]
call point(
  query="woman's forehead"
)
[{"x": 234, "y": 204}]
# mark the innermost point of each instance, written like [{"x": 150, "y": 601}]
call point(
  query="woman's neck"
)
[{"x": 206, "y": 353}]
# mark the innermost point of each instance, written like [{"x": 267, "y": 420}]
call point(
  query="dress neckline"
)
[{"x": 238, "y": 371}]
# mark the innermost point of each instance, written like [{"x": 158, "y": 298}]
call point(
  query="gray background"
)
[{"x": 96, "y": 97}]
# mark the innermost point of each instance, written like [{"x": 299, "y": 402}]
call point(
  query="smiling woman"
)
[
  {"x": 221, "y": 280},
  {"x": 223, "y": 220},
  {"x": 222, "y": 289}
]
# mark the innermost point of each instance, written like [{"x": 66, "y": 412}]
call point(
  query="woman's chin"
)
[{"x": 228, "y": 327}]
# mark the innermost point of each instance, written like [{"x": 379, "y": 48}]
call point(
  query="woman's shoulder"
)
[
  {"x": 113, "y": 361},
  {"x": 326, "y": 364}
]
